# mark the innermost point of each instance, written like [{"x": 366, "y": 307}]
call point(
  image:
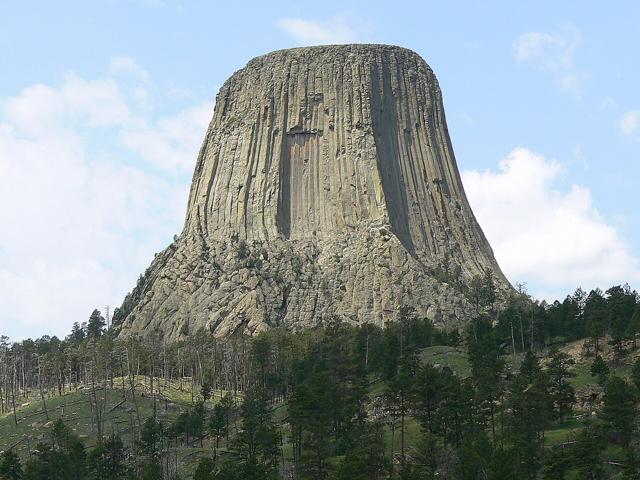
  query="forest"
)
[{"x": 527, "y": 390}]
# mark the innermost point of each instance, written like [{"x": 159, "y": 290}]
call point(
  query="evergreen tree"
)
[
  {"x": 205, "y": 469},
  {"x": 400, "y": 391},
  {"x": 633, "y": 327},
  {"x": 561, "y": 391},
  {"x": 150, "y": 436},
  {"x": 151, "y": 470},
  {"x": 635, "y": 374},
  {"x": 365, "y": 460},
  {"x": 475, "y": 456},
  {"x": 63, "y": 458},
  {"x": 205, "y": 391},
  {"x": 600, "y": 370},
  {"x": 487, "y": 365},
  {"x": 556, "y": 464},
  {"x": 218, "y": 422},
  {"x": 258, "y": 441},
  {"x": 621, "y": 304},
  {"x": 586, "y": 454},
  {"x": 10, "y": 466},
  {"x": 619, "y": 410},
  {"x": 96, "y": 325},
  {"x": 596, "y": 316},
  {"x": 108, "y": 460},
  {"x": 530, "y": 406},
  {"x": 427, "y": 395},
  {"x": 77, "y": 334},
  {"x": 425, "y": 456},
  {"x": 501, "y": 465}
]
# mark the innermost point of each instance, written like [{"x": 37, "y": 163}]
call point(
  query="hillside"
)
[{"x": 352, "y": 389}]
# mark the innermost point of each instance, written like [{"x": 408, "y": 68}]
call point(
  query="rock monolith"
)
[{"x": 326, "y": 187}]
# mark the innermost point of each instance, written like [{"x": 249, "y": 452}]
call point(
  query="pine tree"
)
[
  {"x": 596, "y": 316},
  {"x": 619, "y": 410},
  {"x": 150, "y": 436},
  {"x": 487, "y": 365},
  {"x": 151, "y": 470},
  {"x": 635, "y": 374},
  {"x": 633, "y": 327},
  {"x": 205, "y": 469},
  {"x": 108, "y": 460},
  {"x": 218, "y": 422},
  {"x": 10, "y": 466},
  {"x": 365, "y": 460},
  {"x": 530, "y": 406},
  {"x": 586, "y": 454},
  {"x": 96, "y": 325},
  {"x": 561, "y": 391},
  {"x": 600, "y": 370},
  {"x": 556, "y": 464},
  {"x": 258, "y": 441}
]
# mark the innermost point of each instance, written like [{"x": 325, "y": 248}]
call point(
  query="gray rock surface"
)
[{"x": 326, "y": 186}]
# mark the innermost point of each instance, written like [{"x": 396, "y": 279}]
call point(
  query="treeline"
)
[{"x": 345, "y": 402}]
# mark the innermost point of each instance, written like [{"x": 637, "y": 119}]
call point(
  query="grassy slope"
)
[{"x": 75, "y": 409}]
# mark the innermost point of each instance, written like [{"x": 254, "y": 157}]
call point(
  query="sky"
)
[{"x": 104, "y": 105}]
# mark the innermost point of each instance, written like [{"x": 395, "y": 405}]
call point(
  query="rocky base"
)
[{"x": 236, "y": 287}]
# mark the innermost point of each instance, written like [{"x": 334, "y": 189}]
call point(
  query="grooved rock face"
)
[{"x": 326, "y": 186}]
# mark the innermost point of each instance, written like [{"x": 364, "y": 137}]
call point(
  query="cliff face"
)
[{"x": 326, "y": 186}]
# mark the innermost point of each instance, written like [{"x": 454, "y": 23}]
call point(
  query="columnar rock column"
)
[{"x": 326, "y": 187}]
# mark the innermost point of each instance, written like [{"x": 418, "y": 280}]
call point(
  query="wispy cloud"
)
[
  {"x": 82, "y": 209},
  {"x": 553, "y": 54},
  {"x": 171, "y": 142},
  {"x": 629, "y": 122},
  {"x": 550, "y": 236},
  {"x": 127, "y": 65},
  {"x": 338, "y": 29}
]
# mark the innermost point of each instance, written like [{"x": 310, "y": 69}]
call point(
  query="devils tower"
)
[{"x": 326, "y": 187}]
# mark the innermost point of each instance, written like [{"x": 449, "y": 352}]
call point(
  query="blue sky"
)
[{"x": 103, "y": 106}]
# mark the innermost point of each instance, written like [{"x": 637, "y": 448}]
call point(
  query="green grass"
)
[
  {"x": 74, "y": 408},
  {"x": 450, "y": 357},
  {"x": 562, "y": 433}
]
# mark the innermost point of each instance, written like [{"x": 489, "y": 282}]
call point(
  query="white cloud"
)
[
  {"x": 170, "y": 142},
  {"x": 553, "y": 53},
  {"x": 80, "y": 219},
  {"x": 552, "y": 238},
  {"x": 314, "y": 32},
  {"x": 629, "y": 122},
  {"x": 127, "y": 65}
]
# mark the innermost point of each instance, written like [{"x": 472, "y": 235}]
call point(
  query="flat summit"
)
[{"x": 326, "y": 186}]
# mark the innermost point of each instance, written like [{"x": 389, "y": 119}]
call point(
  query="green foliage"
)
[
  {"x": 556, "y": 464},
  {"x": 635, "y": 373},
  {"x": 596, "y": 316},
  {"x": 205, "y": 469},
  {"x": 530, "y": 408},
  {"x": 150, "y": 436},
  {"x": 63, "y": 458},
  {"x": 151, "y": 470},
  {"x": 205, "y": 391},
  {"x": 600, "y": 370},
  {"x": 340, "y": 402},
  {"x": 619, "y": 410},
  {"x": 96, "y": 325},
  {"x": 108, "y": 461},
  {"x": 258, "y": 443},
  {"x": 10, "y": 466},
  {"x": 365, "y": 459},
  {"x": 586, "y": 454},
  {"x": 562, "y": 392}
]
